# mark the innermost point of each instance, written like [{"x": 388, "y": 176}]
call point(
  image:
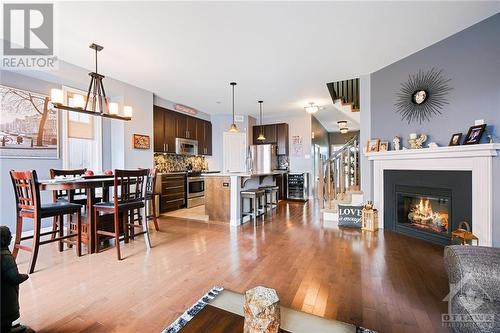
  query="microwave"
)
[{"x": 186, "y": 147}]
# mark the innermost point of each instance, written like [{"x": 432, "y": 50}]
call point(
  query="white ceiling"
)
[{"x": 281, "y": 52}]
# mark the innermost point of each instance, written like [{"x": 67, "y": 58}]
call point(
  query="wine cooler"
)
[{"x": 297, "y": 186}]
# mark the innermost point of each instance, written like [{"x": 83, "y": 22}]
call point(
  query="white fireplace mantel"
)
[{"x": 475, "y": 158}]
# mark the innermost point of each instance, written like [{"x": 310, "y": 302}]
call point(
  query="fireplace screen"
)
[{"x": 425, "y": 212}]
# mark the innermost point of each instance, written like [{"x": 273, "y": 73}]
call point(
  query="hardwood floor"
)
[{"x": 382, "y": 281}]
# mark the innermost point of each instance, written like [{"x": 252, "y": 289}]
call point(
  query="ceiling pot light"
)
[
  {"x": 311, "y": 108},
  {"x": 261, "y": 136},
  {"x": 344, "y": 130},
  {"x": 233, "y": 128}
]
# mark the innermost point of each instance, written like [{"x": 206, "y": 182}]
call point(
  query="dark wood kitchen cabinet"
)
[
  {"x": 275, "y": 134},
  {"x": 282, "y": 138},
  {"x": 164, "y": 129},
  {"x": 168, "y": 125},
  {"x": 270, "y": 134},
  {"x": 204, "y": 137},
  {"x": 173, "y": 192}
]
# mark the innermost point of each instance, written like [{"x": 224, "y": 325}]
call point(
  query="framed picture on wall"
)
[
  {"x": 141, "y": 141},
  {"x": 372, "y": 145},
  {"x": 29, "y": 126},
  {"x": 455, "y": 139},
  {"x": 474, "y": 135}
]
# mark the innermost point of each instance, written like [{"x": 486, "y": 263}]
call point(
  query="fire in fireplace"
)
[
  {"x": 429, "y": 213},
  {"x": 427, "y": 204}
]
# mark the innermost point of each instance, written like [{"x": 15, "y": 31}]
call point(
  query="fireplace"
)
[{"x": 427, "y": 204}]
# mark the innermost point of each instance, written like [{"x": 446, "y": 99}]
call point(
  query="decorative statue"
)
[
  {"x": 11, "y": 279},
  {"x": 415, "y": 141},
  {"x": 396, "y": 143}
]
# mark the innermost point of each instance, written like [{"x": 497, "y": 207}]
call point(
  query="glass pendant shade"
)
[
  {"x": 127, "y": 111},
  {"x": 261, "y": 136},
  {"x": 113, "y": 108},
  {"x": 233, "y": 128},
  {"x": 78, "y": 101},
  {"x": 56, "y": 96}
]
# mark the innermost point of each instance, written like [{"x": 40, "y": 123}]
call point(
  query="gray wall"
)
[
  {"x": 471, "y": 59},
  {"x": 117, "y": 143},
  {"x": 337, "y": 138},
  {"x": 321, "y": 137}
]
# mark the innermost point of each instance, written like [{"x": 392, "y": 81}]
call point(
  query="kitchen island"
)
[{"x": 222, "y": 193}]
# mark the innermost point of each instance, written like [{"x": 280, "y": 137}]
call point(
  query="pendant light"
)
[
  {"x": 96, "y": 96},
  {"x": 261, "y": 134},
  {"x": 233, "y": 128}
]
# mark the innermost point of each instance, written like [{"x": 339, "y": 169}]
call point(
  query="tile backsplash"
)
[{"x": 171, "y": 163}]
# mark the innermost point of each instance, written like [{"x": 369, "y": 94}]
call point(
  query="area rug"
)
[{"x": 190, "y": 313}]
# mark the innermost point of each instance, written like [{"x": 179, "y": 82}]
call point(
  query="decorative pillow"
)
[{"x": 349, "y": 216}]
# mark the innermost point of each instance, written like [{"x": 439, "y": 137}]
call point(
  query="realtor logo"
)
[
  {"x": 28, "y": 29},
  {"x": 28, "y": 36}
]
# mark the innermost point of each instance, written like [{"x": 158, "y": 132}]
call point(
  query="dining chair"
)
[
  {"x": 151, "y": 196},
  {"x": 28, "y": 205},
  {"x": 78, "y": 196},
  {"x": 129, "y": 195}
]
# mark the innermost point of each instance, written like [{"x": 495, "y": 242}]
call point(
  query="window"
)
[{"x": 82, "y": 137}]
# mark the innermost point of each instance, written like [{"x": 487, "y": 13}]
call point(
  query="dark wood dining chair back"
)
[
  {"x": 66, "y": 194},
  {"x": 151, "y": 182},
  {"x": 26, "y": 190},
  {"x": 129, "y": 186},
  {"x": 28, "y": 205},
  {"x": 129, "y": 197},
  {"x": 151, "y": 196}
]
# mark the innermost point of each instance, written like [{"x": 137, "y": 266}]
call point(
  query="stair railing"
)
[{"x": 341, "y": 171}]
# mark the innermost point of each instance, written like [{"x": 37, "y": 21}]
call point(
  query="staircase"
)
[
  {"x": 340, "y": 180},
  {"x": 345, "y": 94}
]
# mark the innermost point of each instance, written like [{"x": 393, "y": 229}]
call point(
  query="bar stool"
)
[
  {"x": 271, "y": 196},
  {"x": 28, "y": 205},
  {"x": 257, "y": 198},
  {"x": 129, "y": 195}
]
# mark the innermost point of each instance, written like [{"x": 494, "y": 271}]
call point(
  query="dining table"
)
[{"x": 89, "y": 185}]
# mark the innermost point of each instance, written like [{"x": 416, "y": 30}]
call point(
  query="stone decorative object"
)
[
  {"x": 415, "y": 141},
  {"x": 396, "y": 143},
  {"x": 262, "y": 311}
]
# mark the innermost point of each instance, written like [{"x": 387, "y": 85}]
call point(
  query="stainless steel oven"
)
[
  {"x": 186, "y": 147},
  {"x": 195, "y": 191}
]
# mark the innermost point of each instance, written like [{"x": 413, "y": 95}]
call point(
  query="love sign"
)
[{"x": 350, "y": 216}]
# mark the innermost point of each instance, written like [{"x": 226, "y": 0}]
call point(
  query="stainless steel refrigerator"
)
[{"x": 262, "y": 158}]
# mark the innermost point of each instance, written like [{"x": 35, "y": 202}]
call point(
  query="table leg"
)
[{"x": 90, "y": 218}]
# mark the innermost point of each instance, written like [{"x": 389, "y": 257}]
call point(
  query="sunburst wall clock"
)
[{"x": 422, "y": 96}]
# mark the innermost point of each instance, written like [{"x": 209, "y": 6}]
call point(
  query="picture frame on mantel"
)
[
  {"x": 455, "y": 139},
  {"x": 373, "y": 146},
  {"x": 141, "y": 141},
  {"x": 474, "y": 134},
  {"x": 383, "y": 146}
]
